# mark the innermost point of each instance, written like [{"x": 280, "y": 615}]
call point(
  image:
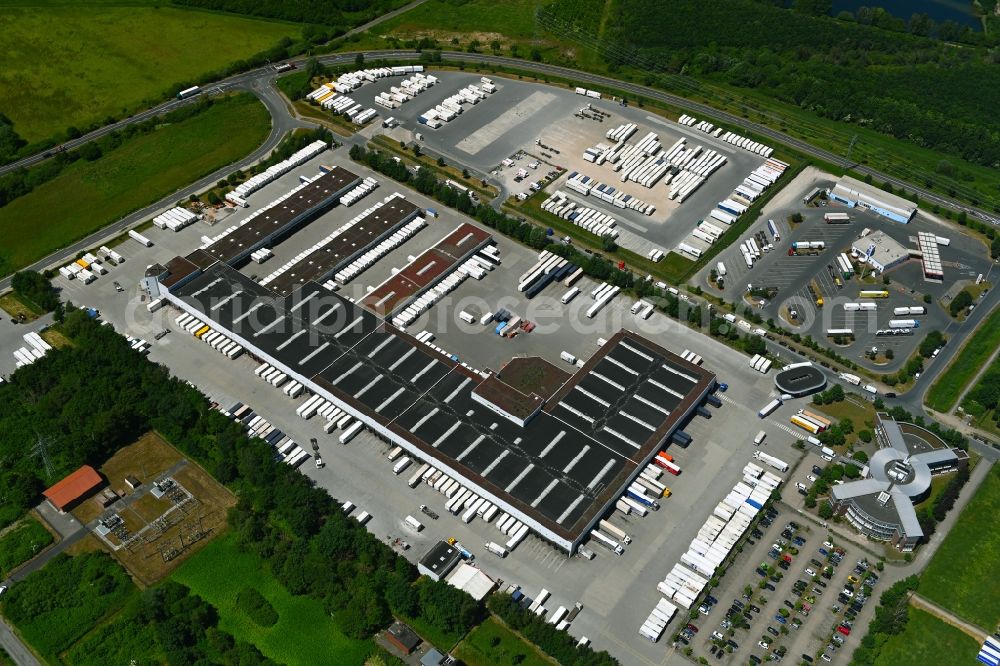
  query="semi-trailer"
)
[
  {"x": 912, "y": 310},
  {"x": 634, "y": 506},
  {"x": 771, "y": 461},
  {"x": 875, "y": 293},
  {"x": 607, "y": 542},
  {"x": 614, "y": 531},
  {"x": 350, "y": 432},
  {"x": 496, "y": 549},
  {"x": 825, "y": 422},
  {"x": 769, "y": 407},
  {"x": 903, "y": 323},
  {"x": 805, "y": 424}
]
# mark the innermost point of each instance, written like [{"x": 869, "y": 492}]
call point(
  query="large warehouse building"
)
[
  {"x": 855, "y": 193},
  {"x": 556, "y": 463}
]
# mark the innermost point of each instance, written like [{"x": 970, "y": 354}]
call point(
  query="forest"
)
[
  {"x": 94, "y": 397},
  {"x": 869, "y": 69},
  {"x": 164, "y": 624}
]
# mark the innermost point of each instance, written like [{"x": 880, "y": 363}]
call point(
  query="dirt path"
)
[{"x": 925, "y": 604}]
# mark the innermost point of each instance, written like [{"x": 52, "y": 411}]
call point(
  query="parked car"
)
[{"x": 772, "y": 631}]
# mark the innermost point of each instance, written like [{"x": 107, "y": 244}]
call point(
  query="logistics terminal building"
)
[
  {"x": 557, "y": 464},
  {"x": 855, "y": 193}
]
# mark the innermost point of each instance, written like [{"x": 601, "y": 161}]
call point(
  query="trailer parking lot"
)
[{"x": 520, "y": 114}]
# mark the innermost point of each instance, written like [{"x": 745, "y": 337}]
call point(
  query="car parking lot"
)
[{"x": 793, "y": 596}]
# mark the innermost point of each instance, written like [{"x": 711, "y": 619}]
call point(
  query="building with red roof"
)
[{"x": 75, "y": 487}]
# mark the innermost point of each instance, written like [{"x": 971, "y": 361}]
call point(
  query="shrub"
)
[{"x": 256, "y": 607}]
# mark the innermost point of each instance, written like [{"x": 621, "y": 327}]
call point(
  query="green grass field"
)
[
  {"x": 477, "y": 648},
  {"x": 945, "y": 391},
  {"x": 21, "y": 543},
  {"x": 476, "y": 19},
  {"x": 89, "y": 195},
  {"x": 73, "y": 64},
  {"x": 927, "y": 640},
  {"x": 304, "y": 634},
  {"x": 962, "y": 575}
]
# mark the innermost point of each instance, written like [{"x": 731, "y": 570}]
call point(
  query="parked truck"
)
[
  {"x": 615, "y": 531},
  {"x": 496, "y": 549},
  {"x": 771, "y": 461},
  {"x": 607, "y": 542}
]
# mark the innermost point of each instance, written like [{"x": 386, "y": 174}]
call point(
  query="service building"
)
[{"x": 855, "y": 193}]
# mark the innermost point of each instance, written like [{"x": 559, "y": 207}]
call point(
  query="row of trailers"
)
[
  {"x": 461, "y": 500},
  {"x": 709, "y": 549},
  {"x": 549, "y": 268},
  {"x": 810, "y": 421},
  {"x": 475, "y": 266},
  {"x": 206, "y": 334},
  {"x": 641, "y": 497},
  {"x": 588, "y": 219},
  {"x": 334, "y": 417},
  {"x": 729, "y": 137},
  {"x": 586, "y": 185},
  {"x": 279, "y": 379},
  {"x": 34, "y": 349},
  {"x": 407, "y": 90},
  {"x": 285, "y": 448}
]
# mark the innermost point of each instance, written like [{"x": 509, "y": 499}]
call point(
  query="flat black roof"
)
[
  {"x": 800, "y": 380},
  {"x": 284, "y": 216},
  {"x": 345, "y": 244},
  {"x": 560, "y": 469}
]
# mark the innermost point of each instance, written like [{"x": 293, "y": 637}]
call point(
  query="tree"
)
[
  {"x": 359, "y": 60},
  {"x": 889, "y": 354},
  {"x": 33, "y": 287},
  {"x": 961, "y": 301},
  {"x": 315, "y": 68},
  {"x": 826, "y": 511}
]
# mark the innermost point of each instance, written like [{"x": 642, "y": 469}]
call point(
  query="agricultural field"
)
[
  {"x": 949, "y": 386},
  {"x": 493, "y": 644},
  {"x": 927, "y": 640},
  {"x": 20, "y": 543},
  {"x": 88, "y": 195},
  {"x": 970, "y": 590},
  {"x": 293, "y": 639},
  {"x": 74, "y": 64}
]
